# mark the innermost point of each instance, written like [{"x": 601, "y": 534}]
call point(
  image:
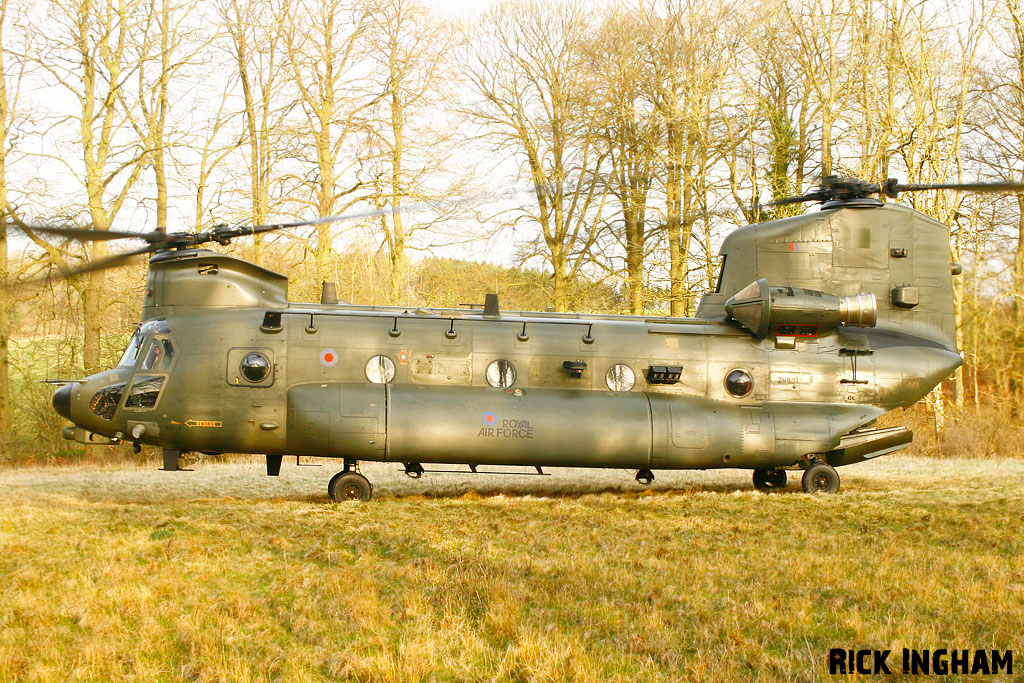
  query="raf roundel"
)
[
  {"x": 328, "y": 358},
  {"x": 490, "y": 418}
]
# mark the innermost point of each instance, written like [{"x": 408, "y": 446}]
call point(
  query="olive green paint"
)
[{"x": 809, "y": 392}]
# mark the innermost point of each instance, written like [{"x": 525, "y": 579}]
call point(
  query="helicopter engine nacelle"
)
[{"x": 763, "y": 308}]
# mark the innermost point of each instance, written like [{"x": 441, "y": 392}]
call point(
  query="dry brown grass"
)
[
  {"x": 993, "y": 430},
  {"x": 220, "y": 575}
]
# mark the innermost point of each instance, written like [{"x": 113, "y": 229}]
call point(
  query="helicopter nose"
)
[{"x": 62, "y": 401}]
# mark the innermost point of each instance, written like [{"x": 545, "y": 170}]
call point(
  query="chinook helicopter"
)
[{"x": 819, "y": 324}]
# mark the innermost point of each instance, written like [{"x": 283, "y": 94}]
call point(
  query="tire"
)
[
  {"x": 769, "y": 480},
  {"x": 349, "y": 486},
  {"x": 820, "y": 478}
]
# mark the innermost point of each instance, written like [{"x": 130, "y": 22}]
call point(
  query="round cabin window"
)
[
  {"x": 380, "y": 369},
  {"x": 255, "y": 367},
  {"x": 620, "y": 377},
  {"x": 501, "y": 373},
  {"x": 739, "y": 383}
]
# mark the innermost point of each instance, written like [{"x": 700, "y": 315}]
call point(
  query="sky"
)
[{"x": 459, "y": 8}]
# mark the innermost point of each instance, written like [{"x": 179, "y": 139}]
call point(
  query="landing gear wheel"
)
[
  {"x": 645, "y": 477},
  {"x": 820, "y": 478},
  {"x": 349, "y": 486},
  {"x": 769, "y": 480}
]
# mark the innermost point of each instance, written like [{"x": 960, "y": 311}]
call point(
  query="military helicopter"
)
[{"x": 819, "y": 324}]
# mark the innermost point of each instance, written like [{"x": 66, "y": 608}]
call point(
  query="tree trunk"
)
[
  {"x": 397, "y": 258},
  {"x": 325, "y": 193},
  {"x": 673, "y": 211},
  {"x": 254, "y": 135},
  {"x": 957, "y": 381},
  {"x": 1017, "y": 370},
  {"x": 397, "y": 189},
  {"x": 92, "y": 311},
  {"x": 162, "y": 105},
  {"x": 938, "y": 405},
  {"x": 634, "y": 261},
  {"x": 559, "y": 284},
  {"x": 6, "y": 302},
  {"x": 689, "y": 217},
  {"x": 5, "y": 319}
]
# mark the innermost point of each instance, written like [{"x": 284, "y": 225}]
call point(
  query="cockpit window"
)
[
  {"x": 144, "y": 392},
  {"x": 159, "y": 355},
  {"x": 132, "y": 352},
  {"x": 104, "y": 402}
]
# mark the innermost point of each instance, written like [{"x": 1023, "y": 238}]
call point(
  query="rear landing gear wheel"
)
[
  {"x": 645, "y": 477},
  {"x": 349, "y": 486},
  {"x": 820, "y": 478},
  {"x": 769, "y": 480}
]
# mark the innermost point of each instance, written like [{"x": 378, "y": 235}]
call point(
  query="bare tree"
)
[
  {"x": 165, "y": 49},
  {"x": 528, "y": 66},
  {"x": 210, "y": 147},
  {"x": 87, "y": 49},
  {"x": 1001, "y": 119},
  {"x": 937, "y": 72},
  {"x": 785, "y": 106},
  {"x": 410, "y": 147},
  {"x": 254, "y": 30},
  {"x": 11, "y": 71},
  {"x": 631, "y": 133},
  {"x": 325, "y": 51},
  {"x": 819, "y": 27},
  {"x": 687, "y": 53}
]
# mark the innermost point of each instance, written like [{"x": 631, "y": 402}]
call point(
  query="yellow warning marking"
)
[{"x": 203, "y": 423}]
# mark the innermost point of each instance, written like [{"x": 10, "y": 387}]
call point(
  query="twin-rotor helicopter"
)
[{"x": 819, "y": 324}]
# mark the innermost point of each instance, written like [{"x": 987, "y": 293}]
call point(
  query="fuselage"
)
[
  {"x": 820, "y": 324},
  {"x": 325, "y": 394}
]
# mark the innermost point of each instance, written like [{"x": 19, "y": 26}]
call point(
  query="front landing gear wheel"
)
[
  {"x": 769, "y": 480},
  {"x": 348, "y": 485},
  {"x": 820, "y": 478}
]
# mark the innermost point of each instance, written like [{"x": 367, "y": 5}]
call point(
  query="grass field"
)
[{"x": 222, "y": 575}]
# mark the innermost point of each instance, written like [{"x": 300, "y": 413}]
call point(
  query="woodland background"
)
[{"x": 594, "y": 155}]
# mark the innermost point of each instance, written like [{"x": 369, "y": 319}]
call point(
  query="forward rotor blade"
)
[
  {"x": 85, "y": 234},
  {"x": 109, "y": 262},
  {"x": 320, "y": 221},
  {"x": 297, "y": 224},
  {"x": 160, "y": 239}
]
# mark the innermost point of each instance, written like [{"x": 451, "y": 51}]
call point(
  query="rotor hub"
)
[{"x": 834, "y": 192}]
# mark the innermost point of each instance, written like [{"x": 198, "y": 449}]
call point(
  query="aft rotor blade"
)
[
  {"x": 1004, "y": 186},
  {"x": 784, "y": 201}
]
